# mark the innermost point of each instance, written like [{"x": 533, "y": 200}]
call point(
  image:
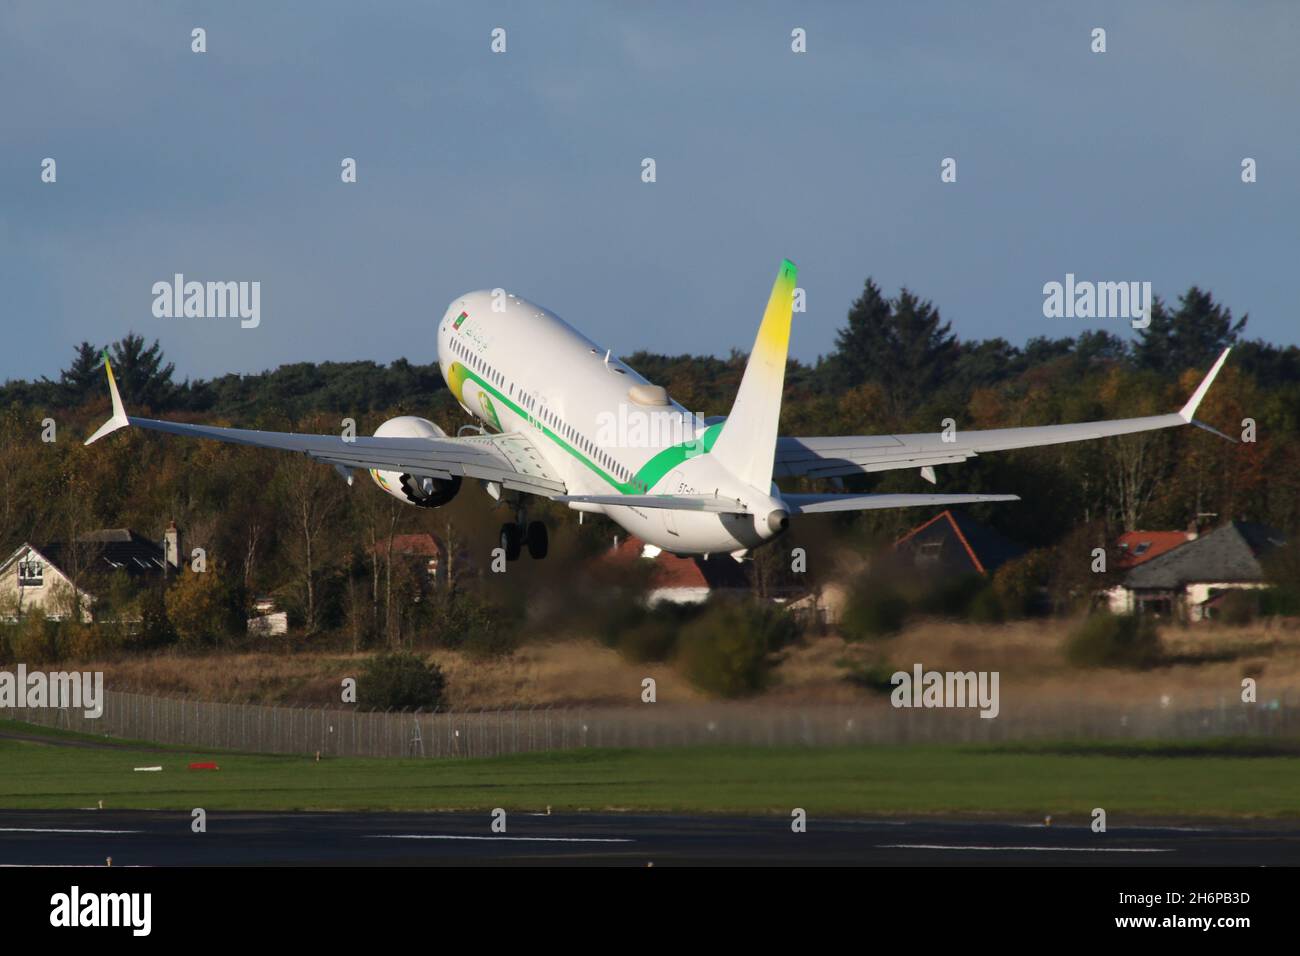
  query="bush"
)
[
  {"x": 986, "y": 608},
  {"x": 873, "y": 612},
  {"x": 1279, "y": 602},
  {"x": 725, "y": 650},
  {"x": 650, "y": 639},
  {"x": 1238, "y": 608},
  {"x": 615, "y": 614},
  {"x": 640, "y": 633},
  {"x": 467, "y": 622},
  {"x": 36, "y": 639},
  {"x": 871, "y": 675},
  {"x": 1114, "y": 640},
  {"x": 155, "y": 628},
  {"x": 401, "y": 680},
  {"x": 84, "y": 642},
  {"x": 952, "y": 597},
  {"x": 1020, "y": 584}
]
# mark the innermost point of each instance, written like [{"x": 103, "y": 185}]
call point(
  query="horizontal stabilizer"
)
[
  {"x": 817, "y": 504},
  {"x": 706, "y": 503}
]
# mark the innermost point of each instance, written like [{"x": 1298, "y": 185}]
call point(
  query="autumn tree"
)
[
  {"x": 202, "y": 607},
  {"x": 310, "y": 496}
]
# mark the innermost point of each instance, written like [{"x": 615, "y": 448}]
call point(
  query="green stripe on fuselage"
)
[{"x": 646, "y": 477}]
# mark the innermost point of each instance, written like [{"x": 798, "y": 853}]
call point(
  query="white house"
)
[
  {"x": 42, "y": 577},
  {"x": 1189, "y": 580}
]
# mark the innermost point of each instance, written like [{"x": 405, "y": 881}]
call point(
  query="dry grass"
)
[
  {"x": 562, "y": 673},
  {"x": 1204, "y": 664},
  {"x": 557, "y": 674}
]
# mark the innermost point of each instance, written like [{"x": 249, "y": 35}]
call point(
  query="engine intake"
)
[
  {"x": 429, "y": 492},
  {"x": 422, "y": 491}
]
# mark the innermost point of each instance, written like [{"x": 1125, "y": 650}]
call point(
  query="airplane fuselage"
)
[{"x": 517, "y": 367}]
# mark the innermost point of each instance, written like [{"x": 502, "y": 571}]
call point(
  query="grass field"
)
[{"x": 1224, "y": 779}]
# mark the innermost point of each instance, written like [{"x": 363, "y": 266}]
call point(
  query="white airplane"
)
[{"x": 572, "y": 424}]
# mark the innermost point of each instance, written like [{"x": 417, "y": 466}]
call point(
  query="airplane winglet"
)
[
  {"x": 119, "y": 419},
  {"x": 1188, "y": 411}
]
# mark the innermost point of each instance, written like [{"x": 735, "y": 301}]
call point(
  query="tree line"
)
[{"x": 280, "y": 525}]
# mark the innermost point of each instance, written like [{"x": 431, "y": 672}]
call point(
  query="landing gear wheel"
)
[
  {"x": 537, "y": 540},
  {"x": 511, "y": 541}
]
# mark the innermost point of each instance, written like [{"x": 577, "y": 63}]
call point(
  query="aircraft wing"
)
[
  {"x": 511, "y": 459},
  {"x": 830, "y": 457}
]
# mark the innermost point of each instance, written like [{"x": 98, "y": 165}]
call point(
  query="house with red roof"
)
[
  {"x": 1189, "y": 579},
  {"x": 679, "y": 580},
  {"x": 423, "y": 547},
  {"x": 1138, "y": 547},
  {"x": 1134, "y": 548}
]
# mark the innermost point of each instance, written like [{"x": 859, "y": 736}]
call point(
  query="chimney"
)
[
  {"x": 172, "y": 546},
  {"x": 1193, "y": 530}
]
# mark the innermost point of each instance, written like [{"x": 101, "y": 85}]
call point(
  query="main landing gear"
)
[{"x": 515, "y": 535}]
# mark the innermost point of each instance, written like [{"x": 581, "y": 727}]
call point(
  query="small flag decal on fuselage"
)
[{"x": 459, "y": 319}]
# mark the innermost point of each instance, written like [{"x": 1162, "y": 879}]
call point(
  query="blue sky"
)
[{"x": 522, "y": 170}]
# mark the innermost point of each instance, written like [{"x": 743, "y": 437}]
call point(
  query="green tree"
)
[
  {"x": 1190, "y": 337},
  {"x": 141, "y": 375},
  {"x": 84, "y": 377},
  {"x": 901, "y": 343}
]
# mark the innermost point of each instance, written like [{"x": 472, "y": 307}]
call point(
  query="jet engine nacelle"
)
[{"x": 423, "y": 492}]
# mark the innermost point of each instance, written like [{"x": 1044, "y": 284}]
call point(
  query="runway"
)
[{"x": 148, "y": 838}]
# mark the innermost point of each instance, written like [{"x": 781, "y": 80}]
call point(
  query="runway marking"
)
[
  {"x": 1127, "y": 829},
  {"x": 1046, "y": 849},
  {"x": 442, "y": 836},
  {"x": 54, "y": 830}
]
